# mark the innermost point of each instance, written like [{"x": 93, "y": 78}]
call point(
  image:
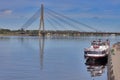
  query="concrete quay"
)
[{"x": 114, "y": 62}]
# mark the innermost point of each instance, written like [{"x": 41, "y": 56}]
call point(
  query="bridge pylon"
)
[{"x": 41, "y": 27}]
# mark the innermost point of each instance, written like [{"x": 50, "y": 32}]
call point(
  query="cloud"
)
[
  {"x": 115, "y": 2},
  {"x": 6, "y": 12},
  {"x": 94, "y": 16}
]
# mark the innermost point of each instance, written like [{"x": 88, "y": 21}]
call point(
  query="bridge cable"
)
[
  {"x": 31, "y": 20},
  {"x": 74, "y": 20},
  {"x": 63, "y": 20}
]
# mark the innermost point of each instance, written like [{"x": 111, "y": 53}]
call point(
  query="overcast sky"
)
[{"x": 101, "y": 14}]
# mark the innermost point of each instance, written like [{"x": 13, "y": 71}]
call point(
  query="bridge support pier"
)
[{"x": 41, "y": 28}]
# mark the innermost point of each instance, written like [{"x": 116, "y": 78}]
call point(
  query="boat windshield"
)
[{"x": 96, "y": 43}]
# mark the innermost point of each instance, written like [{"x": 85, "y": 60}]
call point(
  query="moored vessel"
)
[{"x": 98, "y": 49}]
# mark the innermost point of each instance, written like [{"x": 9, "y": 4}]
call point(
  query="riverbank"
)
[{"x": 113, "y": 62}]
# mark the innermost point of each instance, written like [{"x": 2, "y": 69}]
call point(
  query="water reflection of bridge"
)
[{"x": 41, "y": 45}]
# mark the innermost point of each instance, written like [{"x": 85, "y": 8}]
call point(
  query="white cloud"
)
[
  {"x": 5, "y": 12},
  {"x": 94, "y": 16},
  {"x": 115, "y": 2}
]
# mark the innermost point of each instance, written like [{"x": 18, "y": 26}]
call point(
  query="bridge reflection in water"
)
[
  {"x": 96, "y": 67},
  {"x": 41, "y": 45}
]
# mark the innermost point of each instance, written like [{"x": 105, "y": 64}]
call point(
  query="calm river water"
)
[{"x": 31, "y": 58}]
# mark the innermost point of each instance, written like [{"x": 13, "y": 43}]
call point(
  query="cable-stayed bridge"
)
[{"x": 53, "y": 23}]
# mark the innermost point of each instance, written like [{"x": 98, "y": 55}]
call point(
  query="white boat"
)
[{"x": 98, "y": 49}]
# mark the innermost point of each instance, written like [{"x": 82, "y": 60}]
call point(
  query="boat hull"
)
[{"x": 95, "y": 54}]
